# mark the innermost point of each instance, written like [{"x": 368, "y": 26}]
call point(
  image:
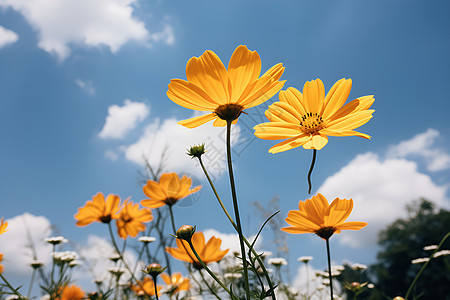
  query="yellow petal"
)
[
  {"x": 283, "y": 112},
  {"x": 197, "y": 121},
  {"x": 351, "y": 225},
  {"x": 294, "y": 98},
  {"x": 317, "y": 142},
  {"x": 352, "y": 121},
  {"x": 289, "y": 144},
  {"x": 276, "y": 130},
  {"x": 336, "y": 97},
  {"x": 313, "y": 96},
  {"x": 190, "y": 96}
]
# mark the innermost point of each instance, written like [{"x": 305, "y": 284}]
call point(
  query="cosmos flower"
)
[
  {"x": 208, "y": 252},
  {"x": 308, "y": 119},
  {"x": 224, "y": 93},
  {"x": 168, "y": 190},
  {"x": 98, "y": 210},
  {"x": 3, "y": 226},
  {"x": 176, "y": 282},
  {"x": 131, "y": 219},
  {"x": 317, "y": 216},
  {"x": 148, "y": 287},
  {"x": 72, "y": 292}
]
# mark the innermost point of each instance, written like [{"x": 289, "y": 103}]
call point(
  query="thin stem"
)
[
  {"x": 156, "y": 288},
  {"x": 31, "y": 283},
  {"x": 425, "y": 265},
  {"x": 208, "y": 270},
  {"x": 307, "y": 279},
  {"x": 172, "y": 220},
  {"x": 311, "y": 169},
  {"x": 329, "y": 267},
  {"x": 258, "y": 258},
  {"x": 11, "y": 288},
  {"x": 207, "y": 285},
  {"x": 236, "y": 210}
]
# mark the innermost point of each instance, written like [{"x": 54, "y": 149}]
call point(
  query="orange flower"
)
[
  {"x": 317, "y": 216},
  {"x": 1, "y": 267},
  {"x": 131, "y": 219},
  {"x": 209, "y": 252},
  {"x": 168, "y": 191},
  {"x": 176, "y": 283},
  {"x": 307, "y": 119},
  {"x": 224, "y": 93},
  {"x": 72, "y": 292},
  {"x": 148, "y": 285},
  {"x": 98, "y": 210},
  {"x": 3, "y": 226}
]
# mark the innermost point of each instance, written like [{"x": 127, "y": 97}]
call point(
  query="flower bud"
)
[
  {"x": 185, "y": 232},
  {"x": 154, "y": 270},
  {"x": 196, "y": 151},
  {"x": 399, "y": 298}
]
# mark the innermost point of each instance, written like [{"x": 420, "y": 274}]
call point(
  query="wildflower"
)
[
  {"x": 98, "y": 210},
  {"x": 232, "y": 276},
  {"x": 146, "y": 239},
  {"x": 56, "y": 240},
  {"x": 1, "y": 266},
  {"x": 224, "y": 93},
  {"x": 317, "y": 216},
  {"x": 196, "y": 151},
  {"x": 64, "y": 256},
  {"x": 442, "y": 253},
  {"x": 154, "y": 270},
  {"x": 131, "y": 219},
  {"x": 185, "y": 232},
  {"x": 3, "y": 226},
  {"x": 305, "y": 259},
  {"x": 168, "y": 190},
  {"x": 420, "y": 260},
  {"x": 277, "y": 261},
  {"x": 176, "y": 282},
  {"x": 430, "y": 247},
  {"x": 208, "y": 252},
  {"x": 307, "y": 119},
  {"x": 114, "y": 257},
  {"x": 75, "y": 263},
  {"x": 72, "y": 292},
  {"x": 117, "y": 271},
  {"x": 399, "y": 298},
  {"x": 357, "y": 266},
  {"x": 146, "y": 287},
  {"x": 36, "y": 264}
]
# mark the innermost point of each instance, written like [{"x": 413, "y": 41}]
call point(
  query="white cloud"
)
[
  {"x": 422, "y": 145},
  {"x": 15, "y": 243},
  {"x": 122, "y": 119},
  {"x": 63, "y": 23},
  {"x": 7, "y": 36},
  {"x": 88, "y": 86},
  {"x": 171, "y": 141},
  {"x": 380, "y": 189}
]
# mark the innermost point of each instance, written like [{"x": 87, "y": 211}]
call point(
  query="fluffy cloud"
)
[
  {"x": 122, "y": 119},
  {"x": 61, "y": 24},
  {"x": 170, "y": 141},
  {"x": 380, "y": 188},
  {"x": 25, "y": 230},
  {"x": 7, "y": 36},
  {"x": 422, "y": 145}
]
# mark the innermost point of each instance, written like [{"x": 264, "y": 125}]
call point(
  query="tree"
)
[{"x": 403, "y": 241}]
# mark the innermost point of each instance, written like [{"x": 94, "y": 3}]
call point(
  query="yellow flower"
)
[
  {"x": 209, "y": 252},
  {"x": 148, "y": 285},
  {"x": 176, "y": 283},
  {"x": 98, "y": 210},
  {"x": 168, "y": 191},
  {"x": 317, "y": 216},
  {"x": 224, "y": 93},
  {"x": 1, "y": 267},
  {"x": 72, "y": 292},
  {"x": 131, "y": 219},
  {"x": 3, "y": 226},
  {"x": 307, "y": 119}
]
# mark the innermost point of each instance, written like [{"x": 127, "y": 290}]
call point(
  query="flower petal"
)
[
  {"x": 197, "y": 121},
  {"x": 318, "y": 141},
  {"x": 336, "y": 97}
]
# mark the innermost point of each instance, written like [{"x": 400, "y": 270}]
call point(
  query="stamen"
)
[{"x": 311, "y": 123}]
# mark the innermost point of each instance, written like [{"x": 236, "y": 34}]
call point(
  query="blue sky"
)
[{"x": 66, "y": 69}]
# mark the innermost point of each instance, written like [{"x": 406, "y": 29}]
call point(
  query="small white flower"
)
[
  {"x": 277, "y": 261},
  {"x": 35, "y": 264},
  {"x": 12, "y": 297},
  {"x": 114, "y": 257},
  {"x": 420, "y": 260},
  {"x": 56, "y": 240},
  {"x": 305, "y": 259},
  {"x": 233, "y": 275},
  {"x": 359, "y": 266},
  {"x": 338, "y": 268},
  {"x": 442, "y": 253},
  {"x": 75, "y": 263},
  {"x": 45, "y": 297},
  {"x": 146, "y": 239},
  {"x": 431, "y": 247},
  {"x": 65, "y": 256},
  {"x": 116, "y": 270},
  {"x": 370, "y": 286}
]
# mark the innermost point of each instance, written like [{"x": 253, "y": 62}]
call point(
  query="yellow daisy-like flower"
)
[
  {"x": 72, "y": 292},
  {"x": 168, "y": 191},
  {"x": 148, "y": 287},
  {"x": 317, "y": 216},
  {"x": 225, "y": 93},
  {"x": 3, "y": 226},
  {"x": 99, "y": 210},
  {"x": 176, "y": 283},
  {"x": 307, "y": 119},
  {"x": 208, "y": 252},
  {"x": 131, "y": 219}
]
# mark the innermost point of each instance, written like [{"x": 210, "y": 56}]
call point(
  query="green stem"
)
[
  {"x": 236, "y": 210},
  {"x": 207, "y": 285},
  {"x": 172, "y": 220},
  {"x": 258, "y": 258},
  {"x": 425, "y": 265},
  {"x": 123, "y": 260},
  {"x": 11, "y": 288},
  {"x": 208, "y": 270},
  {"x": 329, "y": 267},
  {"x": 311, "y": 169},
  {"x": 156, "y": 288},
  {"x": 31, "y": 283}
]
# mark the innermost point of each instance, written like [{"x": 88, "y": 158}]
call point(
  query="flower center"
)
[
  {"x": 105, "y": 219},
  {"x": 229, "y": 112},
  {"x": 326, "y": 232},
  {"x": 311, "y": 123},
  {"x": 126, "y": 219}
]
